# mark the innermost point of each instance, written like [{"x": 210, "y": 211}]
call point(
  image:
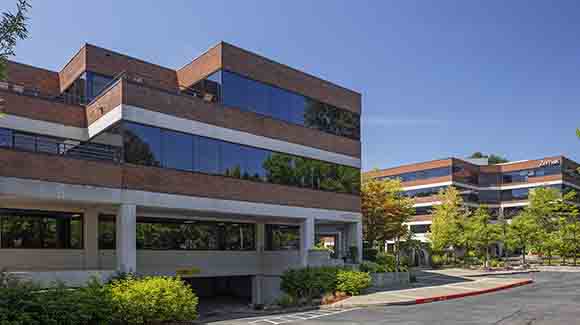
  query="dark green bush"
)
[
  {"x": 25, "y": 303},
  {"x": 372, "y": 267},
  {"x": 386, "y": 259},
  {"x": 370, "y": 254},
  {"x": 309, "y": 282},
  {"x": 352, "y": 282}
]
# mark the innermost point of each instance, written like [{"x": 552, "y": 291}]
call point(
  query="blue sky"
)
[{"x": 438, "y": 78}]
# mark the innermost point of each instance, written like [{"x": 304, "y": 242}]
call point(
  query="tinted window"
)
[
  {"x": 420, "y": 211},
  {"x": 422, "y": 174},
  {"x": 420, "y": 229},
  {"x": 177, "y": 150},
  {"x": 246, "y": 94},
  {"x": 178, "y": 234},
  {"x": 151, "y": 146},
  {"x": 96, "y": 83},
  {"x": 424, "y": 192},
  {"x": 107, "y": 232},
  {"x": 522, "y": 176},
  {"x": 280, "y": 237},
  {"x": 142, "y": 144},
  {"x": 5, "y": 138},
  {"x": 39, "y": 229},
  {"x": 207, "y": 155}
]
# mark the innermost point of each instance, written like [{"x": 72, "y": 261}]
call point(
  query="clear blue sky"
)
[{"x": 438, "y": 78}]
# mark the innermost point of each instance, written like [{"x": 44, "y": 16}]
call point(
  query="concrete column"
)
[
  {"x": 91, "y": 238},
  {"x": 257, "y": 298},
  {"x": 126, "y": 228},
  {"x": 260, "y": 237},
  {"x": 356, "y": 239},
  {"x": 306, "y": 239}
]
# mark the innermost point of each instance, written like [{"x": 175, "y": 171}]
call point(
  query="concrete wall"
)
[{"x": 42, "y": 259}]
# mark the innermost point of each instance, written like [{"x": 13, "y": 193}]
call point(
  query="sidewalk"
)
[
  {"x": 431, "y": 294},
  {"x": 464, "y": 273}
]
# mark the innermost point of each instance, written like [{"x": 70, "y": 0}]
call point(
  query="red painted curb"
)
[{"x": 471, "y": 293}]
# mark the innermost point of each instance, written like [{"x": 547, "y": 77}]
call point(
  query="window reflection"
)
[
  {"x": 40, "y": 229},
  {"x": 421, "y": 174},
  {"x": 282, "y": 237},
  {"x": 181, "y": 234},
  {"x": 146, "y": 145},
  {"x": 237, "y": 91}
]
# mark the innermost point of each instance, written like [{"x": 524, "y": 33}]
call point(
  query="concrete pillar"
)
[
  {"x": 260, "y": 237},
  {"x": 91, "y": 239},
  {"x": 257, "y": 298},
  {"x": 306, "y": 239},
  {"x": 126, "y": 228},
  {"x": 356, "y": 239}
]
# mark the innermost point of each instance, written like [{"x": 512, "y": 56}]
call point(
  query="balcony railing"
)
[
  {"x": 64, "y": 98},
  {"x": 61, "y": 147}
]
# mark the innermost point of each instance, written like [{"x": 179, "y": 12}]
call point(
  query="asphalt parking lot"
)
[{"x": 554, "y": 298}]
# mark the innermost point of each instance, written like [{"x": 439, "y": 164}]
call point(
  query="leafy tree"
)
[
  {"x": 492, "y": 158},
  {"x": 385, "y": 211},
  {"x": 449, "y": 219},
  {"x": 483, "y": 233},
  {"x": 13, "y": 27},
  {"x": 548, "y": 243},
  {"x": 547, "y": 205},
  {"x": 523, "y": 233}
]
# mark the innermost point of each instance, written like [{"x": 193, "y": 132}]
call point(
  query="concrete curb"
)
[{"x": 444, "y": 297}]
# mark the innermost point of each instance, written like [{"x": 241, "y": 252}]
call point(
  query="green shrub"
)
[
  {"x": 370, "y": 254},
  {"x": 309, "y": 282},
  {"x": 386, "y": 259},
  {"x": 25, "y": 303},
  {"x": 372, "y": 267},
  {"x": 352, "y": 282},
  {"x": 437, "y": 261},
  {"x": 286, "y": 301},
  {"x": 152, "y": 299}
]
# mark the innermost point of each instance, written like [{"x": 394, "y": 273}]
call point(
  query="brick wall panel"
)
[{"x": 45, "y": 110}]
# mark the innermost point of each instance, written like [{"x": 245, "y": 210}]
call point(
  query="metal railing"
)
[
  {"x": 61, "y": 147},
  {"x": 64, "y": 98}
]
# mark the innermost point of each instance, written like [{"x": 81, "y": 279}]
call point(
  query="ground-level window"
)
[
  {"x": 182, "y": 234},
  {"x": 40, "y": 229},
  {"x": 282, "y": 237}
]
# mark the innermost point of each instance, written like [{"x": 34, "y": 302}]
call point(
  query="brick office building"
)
[
  {"x": 503, "y": 188},
  {"x": 231, "y": 166}
]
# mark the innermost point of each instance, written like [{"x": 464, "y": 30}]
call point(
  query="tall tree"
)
[
  {"x": 523, "y": 233},
  {"x": 13, "y": 27},
  {"x": 482, "y": 232},
  {"x": 448, "y": 221},
  {"x": 385, "y": 211},
  {"x": 493, "y": 159}
]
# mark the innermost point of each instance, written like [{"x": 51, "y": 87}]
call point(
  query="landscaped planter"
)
[{"x": 389, "y": 279}]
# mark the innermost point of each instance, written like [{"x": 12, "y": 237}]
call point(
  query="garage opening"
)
[{"x": 218, "y": 295}]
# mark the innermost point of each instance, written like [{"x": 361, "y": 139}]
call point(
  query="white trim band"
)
[{"x": 42, "y": 190}]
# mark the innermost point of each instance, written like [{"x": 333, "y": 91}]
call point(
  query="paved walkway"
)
[{"x": 430, "y": 294}]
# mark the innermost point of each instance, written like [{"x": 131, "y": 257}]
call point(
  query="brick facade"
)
[{"x": 103, "y": 174}]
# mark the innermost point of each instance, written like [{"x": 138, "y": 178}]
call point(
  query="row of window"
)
[
  {"x": 152, "y": 146},
  {"x": 421, "y": 174},
  {"x": 60, "y": 230},
  {"x": 38, "y": 229},
  {"x": 179, "y": 234},
  {"x": 470, "y": 176},
  {"x": 234, "y": 90}
]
